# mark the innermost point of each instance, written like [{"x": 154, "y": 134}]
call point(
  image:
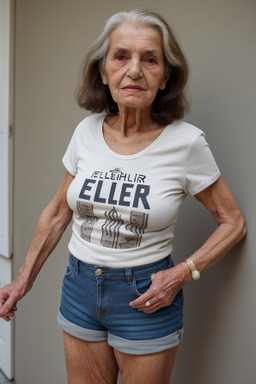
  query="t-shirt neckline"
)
[{"x": 128, "y": 157}]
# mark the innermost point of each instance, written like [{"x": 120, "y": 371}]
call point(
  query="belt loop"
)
[
  {"x": 169, "y": 258},
  {"x": 128, "y": 275},
  {"x": 78, "y": 266}
]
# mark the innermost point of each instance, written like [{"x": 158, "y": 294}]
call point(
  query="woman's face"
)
[{"x": 134, "y": 67}]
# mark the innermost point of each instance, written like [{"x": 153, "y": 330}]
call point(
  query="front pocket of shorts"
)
[
  {"x": 141, "y": 285},
  {"x": 69, "y": 271}
]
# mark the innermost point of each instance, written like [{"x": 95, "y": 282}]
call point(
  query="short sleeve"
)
[
  {"x": 201, "y": 169},
  {"x": 70, "y": 157}
]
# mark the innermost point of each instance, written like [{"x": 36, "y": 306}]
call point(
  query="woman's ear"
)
[
  {"x": 103, "y": 76},
  {"x": 166, "y": 78}
]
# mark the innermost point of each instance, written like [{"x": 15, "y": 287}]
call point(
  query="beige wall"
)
[{"x": 218, "y": 37}]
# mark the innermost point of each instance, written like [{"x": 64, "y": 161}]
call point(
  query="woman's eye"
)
[
  {"x": 120, "y": 57},
  {"x": 151, "y": 60}
]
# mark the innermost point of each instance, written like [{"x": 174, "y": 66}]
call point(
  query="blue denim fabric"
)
[{"x": 95, "y": 307}]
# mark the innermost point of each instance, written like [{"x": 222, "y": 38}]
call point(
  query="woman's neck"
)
[{"x": 131, "y": 121}]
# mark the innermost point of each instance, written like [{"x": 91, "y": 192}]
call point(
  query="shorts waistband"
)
[{"x": 127, "y": 273}]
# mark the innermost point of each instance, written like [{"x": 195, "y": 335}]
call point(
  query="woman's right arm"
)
[{"x": 51, "y": 225}]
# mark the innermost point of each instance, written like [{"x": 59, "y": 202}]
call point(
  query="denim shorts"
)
[{"x": 95, "y": 307}]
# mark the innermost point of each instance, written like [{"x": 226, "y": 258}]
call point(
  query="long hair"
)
[{"x": 170, "y": 104}]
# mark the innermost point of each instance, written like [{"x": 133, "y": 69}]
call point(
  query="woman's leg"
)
[
  {"x": 89, "y": 362},
  {"x": 151, "y": 369}
]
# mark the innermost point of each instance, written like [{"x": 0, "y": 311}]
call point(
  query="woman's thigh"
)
[
  {"x": 154, "y": 368},
  {"x": 89, "y": 362}
]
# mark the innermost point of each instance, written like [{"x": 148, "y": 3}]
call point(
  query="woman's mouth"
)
[{"x": 133, "y": 88}]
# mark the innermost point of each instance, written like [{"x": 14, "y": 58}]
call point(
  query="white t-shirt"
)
[{"x": 125, "y": 207}]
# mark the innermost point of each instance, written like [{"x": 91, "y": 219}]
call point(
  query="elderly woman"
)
[{"x": 129, "y": 169}]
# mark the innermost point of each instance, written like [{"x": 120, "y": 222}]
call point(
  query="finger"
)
[
  {"x": 141, "y": 301},
  {"x": 149, "y": 306},
  {"x": 9, "y": 305},
  {"x": 12, "y": 309},
  {"x": 10, "y": 313},
  {"x": 149, "y": 309},
  {"x": 154, "y": 307},
  {"x": 7, "y": 319}
]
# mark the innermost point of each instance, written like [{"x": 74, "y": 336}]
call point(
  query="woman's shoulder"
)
[
  {"x": 92, "y": 120},
  {"x": 183, "y": 132},
  {"x": 182, "y": 127},
  {"x": 89, "y": 126}
]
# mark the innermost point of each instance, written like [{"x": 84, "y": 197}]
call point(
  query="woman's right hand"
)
[
  {"x": 9, "y": 295},
  {"x": 49, "y": 230}
]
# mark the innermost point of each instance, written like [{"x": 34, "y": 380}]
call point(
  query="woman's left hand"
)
[{"x": 165, "y": 286}]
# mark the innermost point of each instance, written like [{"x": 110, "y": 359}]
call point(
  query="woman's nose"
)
[{"x": 135, "y": 70}]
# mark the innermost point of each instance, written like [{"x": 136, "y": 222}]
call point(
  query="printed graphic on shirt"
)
[
  {"x": 116, "y": 188},
  {"x": 134, "y": 192},
  {"x": 85, "y": 210},
  {"x": 112, "y": 237}
]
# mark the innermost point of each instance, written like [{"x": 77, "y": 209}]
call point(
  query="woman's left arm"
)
[
  {"x": 231, "y": 226},
  {"x": 218, "y": 199}
]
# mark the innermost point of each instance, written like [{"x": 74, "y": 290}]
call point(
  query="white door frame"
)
[
  {"x": 6, "y": 329},
  {"x": 6, "y": 174}
]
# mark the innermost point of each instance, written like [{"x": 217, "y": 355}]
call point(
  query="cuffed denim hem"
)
[
  {"x": 80, "y": 332},
  {"x": 145, "y": 347},
  {"x": 131, "y": 347}
]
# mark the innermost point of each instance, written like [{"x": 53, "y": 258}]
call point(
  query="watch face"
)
[{"x": 195, "y": 275}]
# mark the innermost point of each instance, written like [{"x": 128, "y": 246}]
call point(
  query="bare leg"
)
[
  {"x": 151, "y": 369},
  {"x": 89, "y": 362}
]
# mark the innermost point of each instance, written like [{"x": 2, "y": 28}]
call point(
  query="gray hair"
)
[
  {"x": 169, "y": 104},
  {"x": 137, "y": 16}
]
